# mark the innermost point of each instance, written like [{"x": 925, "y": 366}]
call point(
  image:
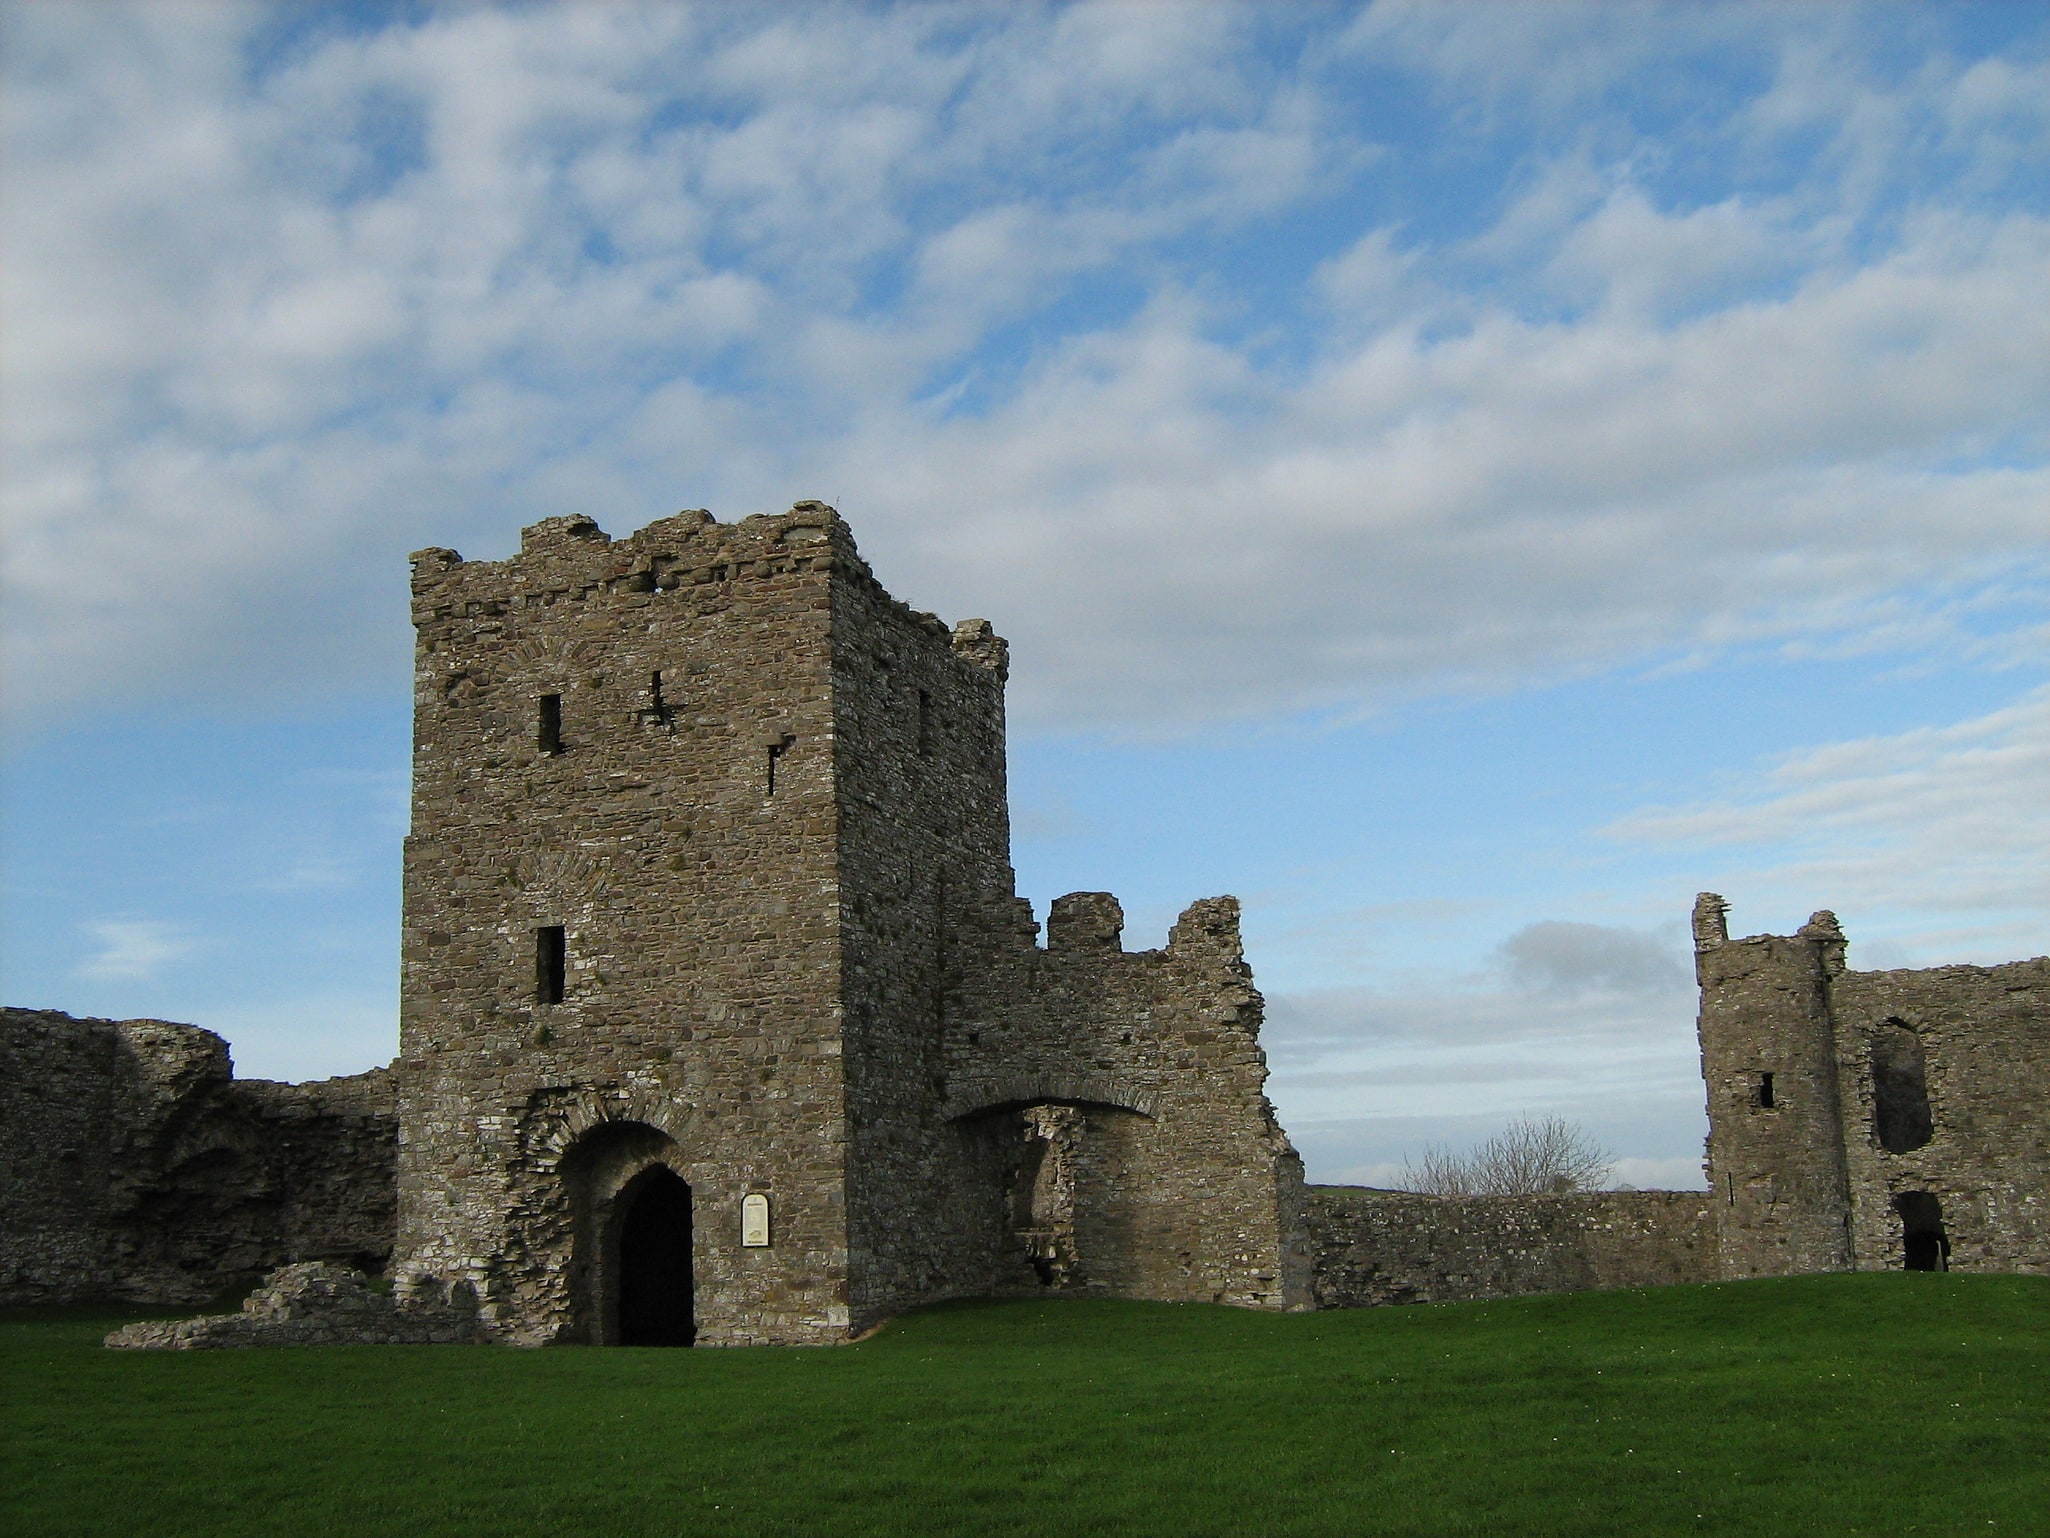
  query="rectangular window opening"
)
[
  {"x": 658, "y": 711},
  {"x": 777, "y": 749},
  {"x": 551, "y": 963},
  {"x": 1765, "y": 1091},
  {"x": 548, "y": 724}
]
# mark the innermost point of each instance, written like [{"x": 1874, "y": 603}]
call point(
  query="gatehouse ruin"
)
[{"x": 723, "y": 1023}]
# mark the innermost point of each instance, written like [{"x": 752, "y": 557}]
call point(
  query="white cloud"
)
[
  {"x": 275, "y": 325},
  {"x": 134, "y": 950},
  {"x": 1563, "y": 956},
  {"x": 1933, "y": 841}
]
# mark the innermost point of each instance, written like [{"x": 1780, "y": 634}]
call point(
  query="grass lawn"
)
[{"x": 1880, "y": 1404}]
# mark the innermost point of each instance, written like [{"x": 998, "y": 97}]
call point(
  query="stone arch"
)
[
  {"x": 1059, "y": 1173},
  {"x": 624, "y": 1180},
  {"x": 1017, "y": 1092},
  {"x": 560, "y": 1118}
]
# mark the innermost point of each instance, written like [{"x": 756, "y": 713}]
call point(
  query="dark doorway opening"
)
[
  {"x": 1925, "y": 1246},
  {"x": 656, "y": 1307}
]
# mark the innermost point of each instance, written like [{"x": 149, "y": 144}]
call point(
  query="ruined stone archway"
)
[
  {"x": 1055, "y": 1190},
  {"x": 631, "y": 1273}
]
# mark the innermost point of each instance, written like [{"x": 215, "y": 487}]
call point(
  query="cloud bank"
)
[{"x": 1237, "y": 360}]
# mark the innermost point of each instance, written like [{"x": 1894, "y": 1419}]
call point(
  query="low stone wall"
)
[
  {"x": 315, "y": 1304},
  {"x": 134, "y": 1165},
  {"x": 1372, "y": 1247}
]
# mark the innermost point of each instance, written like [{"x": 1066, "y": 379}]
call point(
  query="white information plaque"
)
[{"x": 754, "y": 1221}]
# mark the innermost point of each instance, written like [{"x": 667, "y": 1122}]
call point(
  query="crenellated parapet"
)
[{"x": 571, "y": 560}]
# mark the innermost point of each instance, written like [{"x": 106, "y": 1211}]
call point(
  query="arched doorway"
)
[{"x": 651, "y": 1261}]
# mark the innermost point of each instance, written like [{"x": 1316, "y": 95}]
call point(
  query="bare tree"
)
[
  {"x": 1531, "y": 1156},
  {"x": 1437, "y": 1172}
]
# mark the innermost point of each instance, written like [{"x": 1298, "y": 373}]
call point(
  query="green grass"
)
[{"x": 1880, "y": 1404}]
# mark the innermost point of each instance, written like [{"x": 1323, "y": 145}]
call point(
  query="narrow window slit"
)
[
  {"x": 548, "y": 725},
  {"x": 924, "y": 724},
  {"x": 1765, "y": 1091},
  {"x": 658, "y": 711},
  {"x": 777, "y": 749},
  {"x": 551, "y": 963}
]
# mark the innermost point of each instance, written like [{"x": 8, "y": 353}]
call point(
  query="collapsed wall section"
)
[
  {"x": 134, "y": 1165},
  {"x": 1115, "y": 1104},
  {"x": 1375, "y": 1247}
]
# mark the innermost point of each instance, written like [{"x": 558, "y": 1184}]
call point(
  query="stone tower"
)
[
  {"x": 721, "y": 1018},
  {"x": 1768, "y": 1057}
]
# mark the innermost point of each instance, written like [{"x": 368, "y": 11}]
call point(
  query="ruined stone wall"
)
[
  {"x": 1978, "y": 1039},
  {"x": 134, "y": 1165},
  {"x": 1373, "y": 1247},
  {"x": 1184, "y": 1186},
  {"x": 1850, "y": 1112},
  {"x": 673, "y": 813}
]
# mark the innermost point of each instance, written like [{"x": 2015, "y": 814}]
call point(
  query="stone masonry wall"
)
[
  {"x": 1794, "y": 1046},
  {"x": 676, "y": 819},
  {"x": 1375, "y": 1247},
  {"x": 924, "y": 870},
  {"x": 1173, "y": 1179},
  {"x": 1181, "y": 1169},
  {"x": 1775, "y": 1145},
  {"x": 134, "y": 1165},
  {"x": 1983, "y": 1034}
]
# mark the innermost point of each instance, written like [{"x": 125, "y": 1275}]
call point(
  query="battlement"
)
[{"x": 570, "y": 559}]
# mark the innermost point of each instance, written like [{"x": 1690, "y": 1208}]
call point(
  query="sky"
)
[{"x": 1464, "y": 478}]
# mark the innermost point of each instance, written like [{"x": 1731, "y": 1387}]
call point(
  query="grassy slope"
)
[{"x": 1875, "y": 1404}]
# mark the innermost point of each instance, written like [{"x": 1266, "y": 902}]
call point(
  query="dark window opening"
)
[
  {"x": 1901, "y": 1118},
  {"x": 551, "y": 963},
  {"x": 1765, "y": 1091},
  {"x": 658, "y": 710},
  {"x": 548, "y": 726},
  {"x": 656, "y": 1306},
  {"x": 776, "y": 751},
  {"x": 924, "y": 724},
  {"x": 1924, "y": 1244}
]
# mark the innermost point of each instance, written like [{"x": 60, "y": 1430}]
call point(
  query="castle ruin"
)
[{"x": 722, "y": 1022}]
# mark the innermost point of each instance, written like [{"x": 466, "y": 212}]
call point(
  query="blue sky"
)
[{"x": 1463, "y": 478}]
